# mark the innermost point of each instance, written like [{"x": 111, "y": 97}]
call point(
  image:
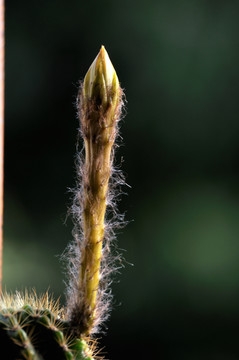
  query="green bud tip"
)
[{"x": 101, "y": 82}]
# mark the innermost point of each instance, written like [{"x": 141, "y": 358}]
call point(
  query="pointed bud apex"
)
[
  {"x": 100, "y": 100},
  {"x": 101, "y": 83}
]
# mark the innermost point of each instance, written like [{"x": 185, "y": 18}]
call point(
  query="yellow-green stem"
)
[
  {"x": 98, "y": 171},
  {"x": 99, "y": 112}
]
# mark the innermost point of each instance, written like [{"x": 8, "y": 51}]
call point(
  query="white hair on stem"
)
[{"x": 94, "y": 207}]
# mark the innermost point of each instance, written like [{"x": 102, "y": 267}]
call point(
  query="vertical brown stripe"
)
[{"x": 1, "y": 129}]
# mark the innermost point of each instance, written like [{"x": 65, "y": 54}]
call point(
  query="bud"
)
[
  {"x": 101, "y": 83},
  {"x": 100, "y": 101}
]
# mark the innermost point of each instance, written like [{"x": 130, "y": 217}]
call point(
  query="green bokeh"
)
[{"x": 178, "y": 63}]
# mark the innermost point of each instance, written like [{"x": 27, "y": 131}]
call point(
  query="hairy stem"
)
[
  {"x": 99, "y": 111},
  {"x": 97, "y": 172}
]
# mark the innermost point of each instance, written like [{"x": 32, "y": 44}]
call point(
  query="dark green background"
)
[{"x": 178, "y": 63}]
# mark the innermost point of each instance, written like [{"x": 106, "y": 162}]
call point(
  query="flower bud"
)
[{"x": 101, "y": 83}]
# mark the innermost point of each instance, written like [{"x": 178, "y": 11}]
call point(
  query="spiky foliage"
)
[{"x": 35, "y": 328}]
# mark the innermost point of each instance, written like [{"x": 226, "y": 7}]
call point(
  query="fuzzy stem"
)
[
  {"x": 99, "y": 111},
  {"x": 97, "y": 166}
]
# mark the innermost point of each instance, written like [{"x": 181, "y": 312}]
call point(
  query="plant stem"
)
[
  {"x": 100, "y": 102},
  {"x": 97, "y": 166}
]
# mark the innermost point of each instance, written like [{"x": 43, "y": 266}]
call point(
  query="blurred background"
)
[{"x": 178, "y": 63}]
